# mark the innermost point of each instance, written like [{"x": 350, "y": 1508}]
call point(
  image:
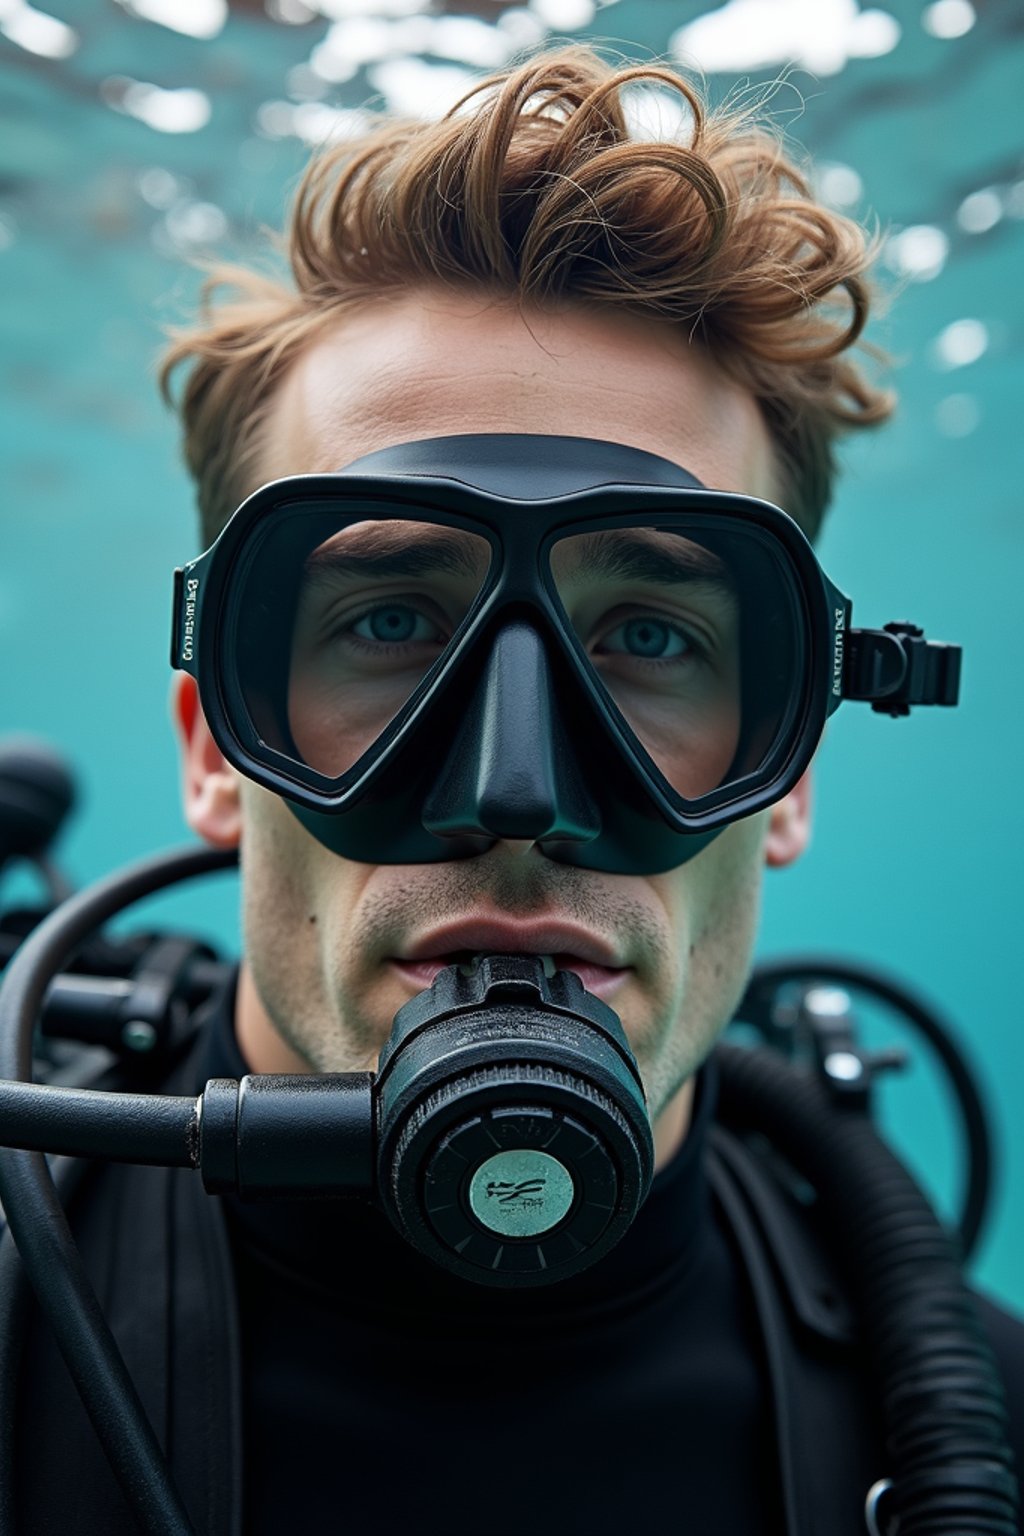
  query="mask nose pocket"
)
[{"x": 512, "y": 771}]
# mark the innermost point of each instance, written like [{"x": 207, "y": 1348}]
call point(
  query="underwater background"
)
[{"x": 138, "y": 135}]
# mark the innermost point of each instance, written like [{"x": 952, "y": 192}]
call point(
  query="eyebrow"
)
[
  {"x": 378, "y": 551},
  {"x": 671, "y": 564}
]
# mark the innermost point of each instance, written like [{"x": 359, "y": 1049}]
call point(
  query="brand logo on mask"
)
[
  {"x": 839, "y": 641},
  {"x": 188, "y": 624},
  {"x": 522, "y": 1193}
]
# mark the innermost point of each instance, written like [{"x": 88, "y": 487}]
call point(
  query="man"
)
[{"x": 523, "y": 270}]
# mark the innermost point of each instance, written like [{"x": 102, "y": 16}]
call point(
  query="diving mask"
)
[{"x": 466, "y": 639}]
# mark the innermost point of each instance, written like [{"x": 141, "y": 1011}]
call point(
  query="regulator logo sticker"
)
[{"x": 521, "y": 1192}]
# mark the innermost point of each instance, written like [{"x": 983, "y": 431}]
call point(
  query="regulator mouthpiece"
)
[{"x": 514, "y": 1144}]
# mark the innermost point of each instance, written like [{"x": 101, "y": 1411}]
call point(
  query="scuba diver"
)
[{"x": 503, "y": 672}]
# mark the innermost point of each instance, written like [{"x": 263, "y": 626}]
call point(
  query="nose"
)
[{"x": 512, "y": 772}]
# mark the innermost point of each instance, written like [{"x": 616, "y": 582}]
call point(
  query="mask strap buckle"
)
[{"x": 896, "y": 667}]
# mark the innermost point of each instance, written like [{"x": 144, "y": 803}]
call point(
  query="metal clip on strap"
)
[{"x": 896, "y": 667}]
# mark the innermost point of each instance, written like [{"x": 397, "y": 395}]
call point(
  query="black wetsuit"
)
[{"x": 380, "y": 1395}]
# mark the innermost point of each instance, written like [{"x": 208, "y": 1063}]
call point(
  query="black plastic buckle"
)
[{"x": 896, "y": 667}]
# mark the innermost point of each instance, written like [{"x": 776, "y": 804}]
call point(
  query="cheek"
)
[
  {"x": 713, "y": 903},
  {"x": 278, "y": 886},
  {"x": 730, "y": 865},
  {"x": 294, "y": 892},
  {"x": 300, "y": 939},
  {"x": 301, "y": 894},
  {"x": 274, "y": 843},
  {"x": 729, "y": 908}
]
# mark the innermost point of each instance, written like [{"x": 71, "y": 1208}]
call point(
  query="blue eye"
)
[
  {"x": 649, "y": 639},
  {"x": 394, "y": 624}
]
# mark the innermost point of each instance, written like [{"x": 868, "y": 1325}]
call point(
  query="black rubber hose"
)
[
  {"x": 943, "y": 1406},
  {"x": 14, "y": 1313},
  {"x": 68, "y": 1175},
  {"x": 15, "y": 1296},
  {"x": 36, "y": 1218},
  {"x": 939, "y": 1035},
  {"x": 158, "y": 1129}
]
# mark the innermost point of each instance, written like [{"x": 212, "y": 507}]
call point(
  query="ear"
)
[
  {"x": 209, "y": 784},
  {"x": 789, "y": 825}
]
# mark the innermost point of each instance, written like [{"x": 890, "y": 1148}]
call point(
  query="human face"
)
[{"x": 333, "y": 947}]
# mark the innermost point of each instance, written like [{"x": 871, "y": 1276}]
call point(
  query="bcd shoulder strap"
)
[{"x": 827, "y": 1438}]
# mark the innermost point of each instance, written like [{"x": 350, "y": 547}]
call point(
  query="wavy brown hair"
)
[{"x": 535, "y": 188}]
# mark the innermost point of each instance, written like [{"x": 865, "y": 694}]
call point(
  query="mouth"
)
[
  {"x": 562, "y": 947},
  {"x": 602, "y": 980}
]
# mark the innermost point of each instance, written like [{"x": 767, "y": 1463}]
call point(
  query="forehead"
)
[{"x": 431, "y": 363}]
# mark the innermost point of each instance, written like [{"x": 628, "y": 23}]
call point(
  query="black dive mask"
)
[{"x": 468, "y": 639}]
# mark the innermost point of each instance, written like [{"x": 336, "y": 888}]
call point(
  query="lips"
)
[{"x": 593, "y": 960}]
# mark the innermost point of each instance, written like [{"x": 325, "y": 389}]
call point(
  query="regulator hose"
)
[
  {"x": 943, "y": 1407},
  {"x": 928, "y": 1021}
]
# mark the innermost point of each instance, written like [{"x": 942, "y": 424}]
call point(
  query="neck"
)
[{"x": 672, "y": 1124}]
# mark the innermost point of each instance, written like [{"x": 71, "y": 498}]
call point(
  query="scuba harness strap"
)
[{"x": 809, "y": 1341}]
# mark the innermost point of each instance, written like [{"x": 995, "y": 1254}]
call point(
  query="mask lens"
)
[
  {"x": 361, "y": 616},
  {"x": 693, "y": 635}
]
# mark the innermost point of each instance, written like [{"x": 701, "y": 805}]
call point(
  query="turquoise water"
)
[{"x": 917, "y": 858}]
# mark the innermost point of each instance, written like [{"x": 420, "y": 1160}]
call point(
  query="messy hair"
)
[{"x": 535, "y": 188}]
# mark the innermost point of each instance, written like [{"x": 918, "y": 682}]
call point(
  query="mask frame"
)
[{"x": 521, "y": 493}]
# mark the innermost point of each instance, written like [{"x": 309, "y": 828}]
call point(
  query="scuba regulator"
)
[{"x": 505, "y": 1133}]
